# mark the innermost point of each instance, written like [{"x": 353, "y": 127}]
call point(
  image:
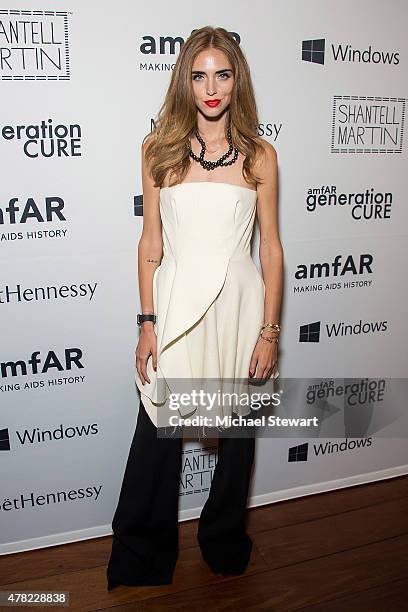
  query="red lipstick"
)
[{"x": 212, "y": 103}]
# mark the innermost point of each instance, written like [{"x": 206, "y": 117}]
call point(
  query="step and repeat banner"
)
[{"x": 80, "y": 88}]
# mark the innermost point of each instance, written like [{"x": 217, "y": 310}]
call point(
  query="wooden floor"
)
[{"x": 345, "y": 550}]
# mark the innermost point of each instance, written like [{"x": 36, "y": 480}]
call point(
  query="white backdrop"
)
[{"x": 71, "y": 216}]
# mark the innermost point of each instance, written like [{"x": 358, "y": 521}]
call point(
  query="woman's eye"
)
[{"x": 223, "y": 76}]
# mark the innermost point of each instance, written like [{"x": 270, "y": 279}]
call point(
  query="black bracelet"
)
[{"x": 146, "y": 317}]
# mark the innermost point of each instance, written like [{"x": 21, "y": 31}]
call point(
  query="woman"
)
[{"x": 205, "y": 174}]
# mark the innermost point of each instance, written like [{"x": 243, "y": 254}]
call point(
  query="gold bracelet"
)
[
  {"x": 274, "y": 326},
  {"x": 272, "y": 339}
]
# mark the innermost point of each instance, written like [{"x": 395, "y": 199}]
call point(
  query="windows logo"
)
[
  {"x": 313, "y": 50},
  {"x": 4, "y": 439},
  {"x": 310, "y": 332},
  {"x": 298, "y": 453}
]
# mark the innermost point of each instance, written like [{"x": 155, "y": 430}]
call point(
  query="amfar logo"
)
[
  {"x": 38, "y": 364},
  {"x": 168, "y": 45},
  {"x": 48, "y": 210},
  {"x": 311, "y": 331},
  {"x": 367, "y": 124},
  {"x": 348, "y": 267},
  {"x": 314, "y": 51},
  {"x": 34, "y": 45},
  {"x": 337, "y": 267},
  {"x": 29, "y": 213},
  {"x": 46, "y": 139},
  {"x": 367, "y": 205},
  {"x": 164, "y": 45}
]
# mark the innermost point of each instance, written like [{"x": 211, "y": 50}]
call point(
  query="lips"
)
[{"x": 212, "y": 103}]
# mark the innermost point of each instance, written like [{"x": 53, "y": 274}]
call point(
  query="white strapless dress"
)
[{"x": 208, "y": 297}]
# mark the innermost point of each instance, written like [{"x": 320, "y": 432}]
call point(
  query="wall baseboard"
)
[{"x": 99, "y": 531}]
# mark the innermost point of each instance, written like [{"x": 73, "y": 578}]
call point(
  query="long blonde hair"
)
[{"x": 167, "y": 145}]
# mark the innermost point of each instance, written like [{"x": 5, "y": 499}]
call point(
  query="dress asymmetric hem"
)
[{"x": 208, "y": 297}]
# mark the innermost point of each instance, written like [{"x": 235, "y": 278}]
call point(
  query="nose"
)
[{"x": 211, "y": 90}]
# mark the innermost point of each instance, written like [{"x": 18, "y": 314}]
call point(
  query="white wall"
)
[{"x": 65, "y": 488}]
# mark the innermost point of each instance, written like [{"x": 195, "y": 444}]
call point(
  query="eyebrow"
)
[{"x": 216, "y": 72}]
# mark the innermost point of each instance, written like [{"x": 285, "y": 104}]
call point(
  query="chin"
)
[{"x": 213, "y": 112}]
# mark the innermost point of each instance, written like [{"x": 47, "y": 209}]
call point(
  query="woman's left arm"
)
[{"x": 264, "y": 358}]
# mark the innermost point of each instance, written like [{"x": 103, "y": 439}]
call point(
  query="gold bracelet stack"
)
[{"x": 276, "y": 329}]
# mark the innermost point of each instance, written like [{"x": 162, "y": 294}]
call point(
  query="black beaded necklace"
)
[{"x": 210, "y": 165}]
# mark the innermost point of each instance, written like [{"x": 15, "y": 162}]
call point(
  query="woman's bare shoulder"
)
[
  {"x": 267, "y": 159},
  {"x": 267, "y": 147},
  {"x": 148, "y": 138}
]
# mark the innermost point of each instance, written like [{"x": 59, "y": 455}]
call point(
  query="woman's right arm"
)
[{"x": 150, "y": 250}]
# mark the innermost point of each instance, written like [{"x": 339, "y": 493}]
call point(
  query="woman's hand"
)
[
  {"x": 264, "y": 359},
  {"x": 146, "y": 346}
]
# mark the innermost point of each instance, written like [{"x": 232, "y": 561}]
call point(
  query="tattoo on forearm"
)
[{"x": 153, "y": 260}]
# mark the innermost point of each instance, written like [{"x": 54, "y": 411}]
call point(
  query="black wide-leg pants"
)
[{"x": 145, "y": 544}]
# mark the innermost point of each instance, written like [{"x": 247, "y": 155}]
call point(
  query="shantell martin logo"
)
[
  {"x": 45, "y": 139},
  {"x": 197, "y": 469},
  {"x": 314, "y": 51},
  {"x": 34, "y": 45},
  {"x": 367, "y": 124}
]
